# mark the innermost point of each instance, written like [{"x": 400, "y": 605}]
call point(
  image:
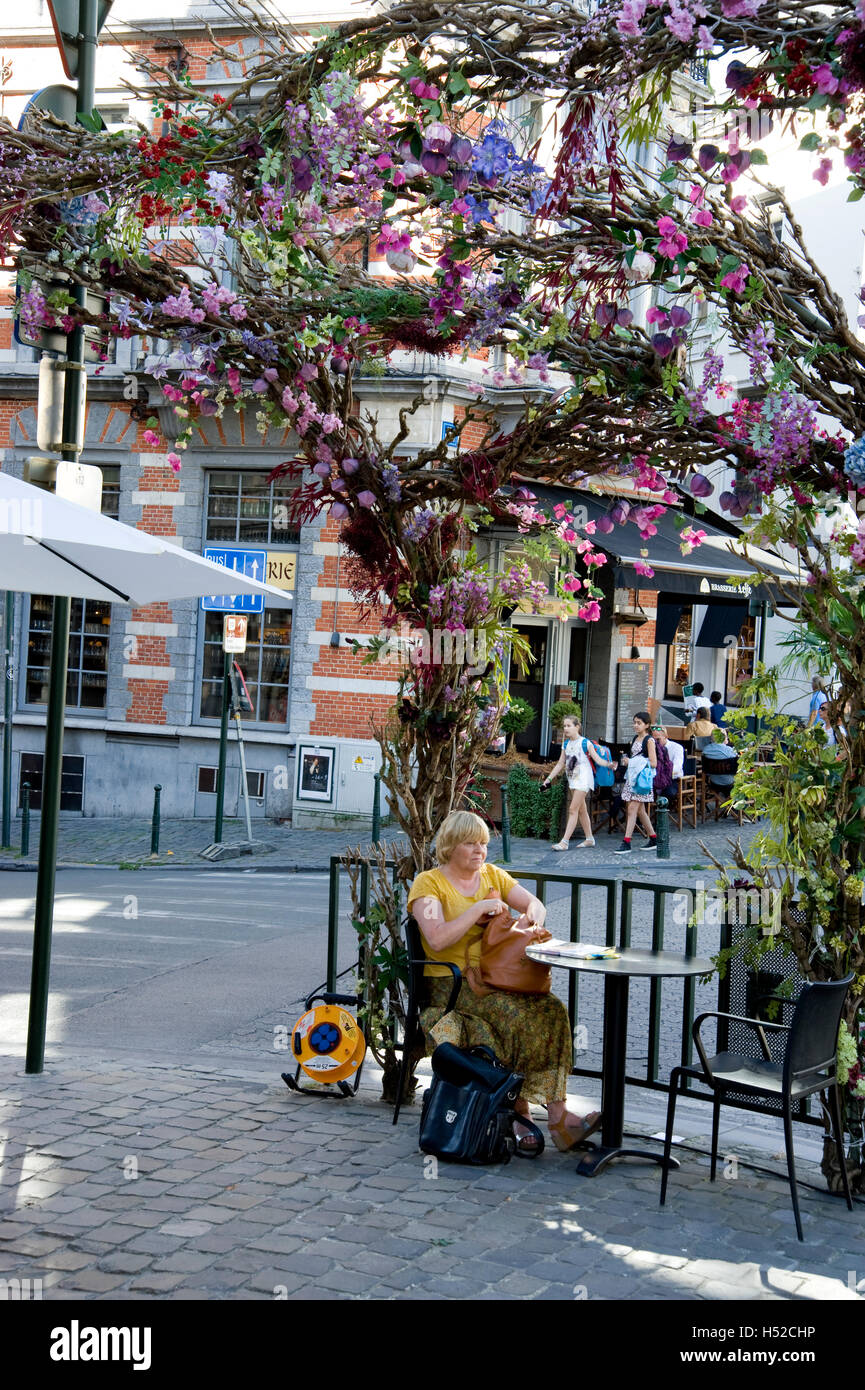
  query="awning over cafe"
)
[{"x": 708, "y": 573}]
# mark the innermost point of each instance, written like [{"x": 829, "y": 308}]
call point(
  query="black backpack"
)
[{"x": 468, "y": 1112}]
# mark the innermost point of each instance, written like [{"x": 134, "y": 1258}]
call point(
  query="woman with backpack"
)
[
  {"x": 576, "y": 760},
  {"x": 638, "y": 790}
]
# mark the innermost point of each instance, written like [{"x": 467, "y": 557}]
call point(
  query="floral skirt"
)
[
  {"x": 628, "y": 794},
  {"x": 530, "y": 1033}
]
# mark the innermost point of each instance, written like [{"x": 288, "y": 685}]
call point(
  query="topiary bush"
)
[
  {"x": 560, "y": 709},
  {"x": 534, "y": 812}
]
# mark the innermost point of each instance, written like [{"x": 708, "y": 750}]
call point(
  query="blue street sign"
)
[{"x": 252, "y": 564}]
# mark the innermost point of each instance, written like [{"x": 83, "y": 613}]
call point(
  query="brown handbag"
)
[{"x": 504, "y": 964}]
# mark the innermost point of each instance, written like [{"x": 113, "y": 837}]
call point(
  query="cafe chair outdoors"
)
[
  {"x": 809, "y": 1065},
  {"x": 412, "y": 1032}
]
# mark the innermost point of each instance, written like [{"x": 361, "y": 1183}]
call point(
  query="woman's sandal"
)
[
  {"x": 586, "y": 844},
  {"x": 530, "y": 1144},
  {"x": 566, "y": 1137},
  {"x": 563, "y": 844}
]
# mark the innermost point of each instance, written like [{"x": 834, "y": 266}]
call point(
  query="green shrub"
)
[
  {"x": 560, "y": 710},
  {"x": 518, "y": 717},
  {"x": 533, "y": 812}
]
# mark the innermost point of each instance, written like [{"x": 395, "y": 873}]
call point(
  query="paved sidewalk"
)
[
  {"x": 189, "y": 1183},
  {"x": 118, "y": 841}
]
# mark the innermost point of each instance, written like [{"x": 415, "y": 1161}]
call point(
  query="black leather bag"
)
[{"x": 468, "y": 1112}]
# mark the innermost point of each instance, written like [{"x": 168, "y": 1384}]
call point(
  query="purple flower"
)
[
  {"x": 366, "y": 499},
  {"x": 624, "y": 318},
  {"x": 700, "y": 486},
  {"x": 461, "y": 150},
  {"x": 679, "y": 316},
  {"x": 662, "y": 344},
  {"x": 678, "y": 150},
  {"x": 339, "y": 511},
  {"x": 605, "y": 525},
  {"x": 302, "y": 174},
  {"x": 707, "y": 156},
  {"x": 605, "y": 314},
  {"x": 620, "y": 513},
  {"x": 350, "y": 466}
]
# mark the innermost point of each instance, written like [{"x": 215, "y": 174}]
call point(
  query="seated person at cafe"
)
[
  {"x": 676, "y": 752},
  {"x": 702, "y": 726},
  {"x": 717, "y": 709},
  {"x": 529, "y": 1033},
  {"x": 717, "y": 756}
]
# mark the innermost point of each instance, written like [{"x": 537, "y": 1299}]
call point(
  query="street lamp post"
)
[{"x": 52, "y": 765}]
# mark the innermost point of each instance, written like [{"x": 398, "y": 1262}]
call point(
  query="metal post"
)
[
  {"x": 53, "y": 758},
  {"x": 25, "y": 820},
  {"x": 333, "y": 922},
  {"x": 662, "y": 821},
  {"x": 7, "y": 720},
  {"x": 506, "y": 825},
  {"x": 243, "y": 782},
  {"x": 45, "y": 877},
  {"x": 376, "y": 809},
  {"x": 154, "y": 828},
  {"x": 223, "y": 745}
]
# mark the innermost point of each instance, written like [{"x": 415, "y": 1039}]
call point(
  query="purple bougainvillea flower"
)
[
  {"x": 679, "y": 316},
  {"x": 461, "y": 150},
  {"x": 707, "y": 156},
  {"x": 624, "y": 318},
  {"x": 366, "y": 499},
  {"x": 620, "y": 513},
  {"x": 350, "y": 466},
  {"x": 700, "y": 486},
  {"x": 434, "y": 163},
  {"x": 605, "y": 525},
  {"x": 462, "y": 180},
  {"x": 605, "y": 314},
  {"x": 662, "y": 344},
  {"x": 678, "y": 150},
  {"x": 339, "y": 511},
  {"x": 438, "y": 138},
  {"x": 321, "y": 470},
  {"x": 302, "y": 175},
  {"x": 739, "y": 77}
]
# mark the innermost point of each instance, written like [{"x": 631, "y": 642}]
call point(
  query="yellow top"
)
[
  {"x": 701, "y": 728},
  {"x": 433, "y": 884}
]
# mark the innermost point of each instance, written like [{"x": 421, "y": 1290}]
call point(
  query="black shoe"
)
[
  {"x": 650, "y": 844},
  {"x": 624, "y": 848}
]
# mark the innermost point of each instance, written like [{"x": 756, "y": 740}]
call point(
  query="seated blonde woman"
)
[{"x": 530, "y": 1033}]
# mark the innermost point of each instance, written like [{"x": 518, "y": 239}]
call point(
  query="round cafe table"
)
[{"x": 617, "y": 975}]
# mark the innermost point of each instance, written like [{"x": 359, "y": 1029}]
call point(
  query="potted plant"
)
[{"x": 518, "y": 717}]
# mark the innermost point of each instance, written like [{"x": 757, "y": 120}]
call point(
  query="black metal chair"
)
[
  {"x": 412, "y": 1031},
  {"x": 809, "y": 1065}
]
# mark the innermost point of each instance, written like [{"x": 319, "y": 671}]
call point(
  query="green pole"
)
[
  {"x": 506, "y": 825},
  {"x": 25, "y": 820},
  {"x": 7, "y": 720},
  {"x": 223, "y": 746},
  {"x": 154, "y": 827},
  {"x": 376, "y": 809},
  {"x": 53, "y": 759},
  {"x": 662, "y": 819}
]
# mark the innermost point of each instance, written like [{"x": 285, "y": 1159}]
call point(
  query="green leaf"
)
[
  {"x": 388, "y": 198},
  {"x": 93, "y": 123},
  {"x": 666, "y": 203},
  {"x": 855, "y": 195},
  {"x": 709, "y": 254},
  {"x": 759, "y": 157},
  {"x": 809, "y": 142},
  {"x": 458, "y": 84},
  {"x": 730, "y": 262},
  {"x": 416, "y": 144},
  {"x": 669, "y": 175}
]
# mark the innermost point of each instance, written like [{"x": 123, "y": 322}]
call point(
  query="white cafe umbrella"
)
[{"x": 51, "y": 546}]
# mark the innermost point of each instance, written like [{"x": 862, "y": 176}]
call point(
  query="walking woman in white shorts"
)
[{"x": 576, "y": 760}]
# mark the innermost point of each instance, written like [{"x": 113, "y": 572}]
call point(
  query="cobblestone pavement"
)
[
  {"x": 191, "y": 1183},
  {"x": 116, "y": 840}
]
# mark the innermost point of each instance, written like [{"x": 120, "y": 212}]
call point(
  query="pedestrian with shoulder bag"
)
[
  {"x": 638, "y": 791},
  {"x": 576, "y": 761}
]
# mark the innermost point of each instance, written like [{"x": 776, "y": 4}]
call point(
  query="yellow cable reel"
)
[{"x": 327, "y": 1044}]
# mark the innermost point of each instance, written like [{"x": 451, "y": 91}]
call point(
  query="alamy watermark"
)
[{"x": 704, "y": 906}]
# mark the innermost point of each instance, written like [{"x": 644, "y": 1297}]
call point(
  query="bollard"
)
[
  {"x": 154, "y": 829},
  {"x": 506, "y": 825},
  {"x": 663, "y": 828},
  {"x": 25, "y": 820},
  {"x": 376, "y": 809}
]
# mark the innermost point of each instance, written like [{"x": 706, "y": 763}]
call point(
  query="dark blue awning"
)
[
  {"x": 668, "y": 619},
  {"x": 721, "y": 623}
]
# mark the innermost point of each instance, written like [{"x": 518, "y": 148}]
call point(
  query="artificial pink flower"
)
[
  {"x": 151, "y": 439},
  {"x": 735, "y": 280},
  {"x": 703, "y": 218},
  {"x": 822, "y": 172}
]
